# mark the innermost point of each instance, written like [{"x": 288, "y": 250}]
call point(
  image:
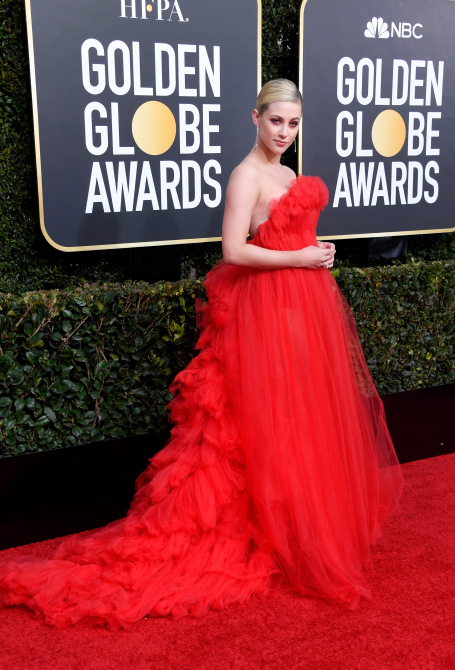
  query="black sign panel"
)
[
  {"x": 142, "y": 109},
  {"x": 378, "y": 83}
]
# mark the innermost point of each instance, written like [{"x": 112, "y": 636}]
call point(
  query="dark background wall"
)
[{"x": 28, "y": 262}]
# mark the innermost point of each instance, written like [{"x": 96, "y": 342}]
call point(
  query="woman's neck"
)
[{"x": 265, "y": 156}]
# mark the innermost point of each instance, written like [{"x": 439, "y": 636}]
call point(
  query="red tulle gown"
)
[{"x": 279, "y": 467}]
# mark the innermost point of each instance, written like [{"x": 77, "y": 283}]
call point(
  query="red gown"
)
[{"x": 280, "y": 466}]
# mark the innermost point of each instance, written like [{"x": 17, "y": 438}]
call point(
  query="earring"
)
[
  {"x": 256, "y": 144},
  {"x": 295, "y": 145}
]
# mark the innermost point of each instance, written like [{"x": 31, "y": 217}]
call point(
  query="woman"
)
[
  {"x": 280, "y": 467},
  {"x": 260, "y": 178}
]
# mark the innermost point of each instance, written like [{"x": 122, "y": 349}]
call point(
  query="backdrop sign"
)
[
  {"x": 142, "y": 109},
  {"x": 378, "y": 82}
]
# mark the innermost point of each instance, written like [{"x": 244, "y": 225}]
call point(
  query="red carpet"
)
[{"x": 409, "y": 624}]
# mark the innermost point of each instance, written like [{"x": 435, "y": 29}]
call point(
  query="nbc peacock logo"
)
[{"x": 377, "y": 27}]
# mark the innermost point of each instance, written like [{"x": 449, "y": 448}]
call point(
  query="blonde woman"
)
[{"x": 280, "y": 468}]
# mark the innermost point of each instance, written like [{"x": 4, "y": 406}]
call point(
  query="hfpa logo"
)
[
  {"x": 165, "y": 10},
  {"x": 377, "y": 27}
]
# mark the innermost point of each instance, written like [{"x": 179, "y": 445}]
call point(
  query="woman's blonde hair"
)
[{"x": 277, "y": 90}]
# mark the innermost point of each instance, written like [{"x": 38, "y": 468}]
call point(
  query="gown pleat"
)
[{"x": 279, "y": 469}]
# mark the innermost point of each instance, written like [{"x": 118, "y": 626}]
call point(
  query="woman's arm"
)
[{"x": 241, "y": 198}]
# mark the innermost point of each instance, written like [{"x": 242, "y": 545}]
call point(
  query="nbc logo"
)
[{"x": 377, "y": 27}]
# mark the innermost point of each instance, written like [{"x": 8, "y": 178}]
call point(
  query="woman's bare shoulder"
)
[
  {"x": 247, "y": 170},
  {"x": 244, "y": 181}
]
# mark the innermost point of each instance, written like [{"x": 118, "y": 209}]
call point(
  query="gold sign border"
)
[
  {"x": 353, "y": 236},
  {"x": 31, "y": 51}
]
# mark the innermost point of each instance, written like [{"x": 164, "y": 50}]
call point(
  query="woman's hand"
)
[
  {"x": 328, "y": 246},
  {"x": 315, "y": 258}
]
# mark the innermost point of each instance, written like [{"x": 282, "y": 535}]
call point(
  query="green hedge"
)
[
  {"x": 405, "y": 316},
  {"x": 96, "y": 362},
  {"x": 92, "y": 363}
]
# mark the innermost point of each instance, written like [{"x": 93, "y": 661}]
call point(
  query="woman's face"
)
[{"x": 278, "y": 125}]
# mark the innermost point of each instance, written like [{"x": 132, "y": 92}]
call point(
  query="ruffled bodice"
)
[{"x": 294, "y": 216}]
